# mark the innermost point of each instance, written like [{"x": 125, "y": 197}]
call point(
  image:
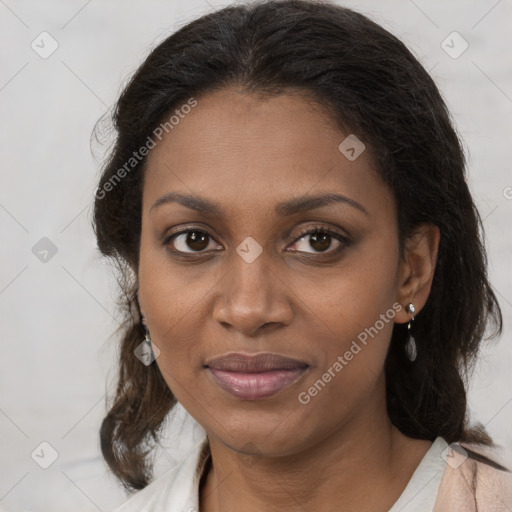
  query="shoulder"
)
[
  {"x": 472, "y": 485},
  {"x": 175, "y": 490}
]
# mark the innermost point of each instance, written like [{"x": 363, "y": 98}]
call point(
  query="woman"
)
[{"x": 303, "y": 269}]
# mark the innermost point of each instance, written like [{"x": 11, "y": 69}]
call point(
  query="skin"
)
[{"x": 248, "y": 153}]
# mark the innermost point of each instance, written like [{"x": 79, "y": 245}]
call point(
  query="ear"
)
[{"x": 416, "y": 270}]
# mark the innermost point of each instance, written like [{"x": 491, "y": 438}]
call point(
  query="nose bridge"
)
[
  {"x": 249, "y": 283},
  {"x": 250, "y": 295}
]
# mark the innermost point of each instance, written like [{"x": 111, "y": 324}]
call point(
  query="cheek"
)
[
  {"x": 357, "y": 307},
  {"x": 173, "y": 308},
  {"x": 176, "y": 302},
  {"x": 352, "y": 297},
  {"x": 163, "y": 298},
  {"x": 168, "y": 291}
]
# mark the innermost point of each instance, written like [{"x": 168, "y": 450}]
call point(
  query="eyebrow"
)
[{"x": 284, "y": 208}]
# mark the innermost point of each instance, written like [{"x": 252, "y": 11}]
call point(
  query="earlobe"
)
[{"x": 417, "y": 268}]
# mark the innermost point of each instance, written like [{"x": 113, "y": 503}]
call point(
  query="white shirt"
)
[
  {"x": 177, "y": 490},
  {"x": 421, "y": 492}
]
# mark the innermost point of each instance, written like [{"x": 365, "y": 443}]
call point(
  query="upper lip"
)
[{"x": 263, "y": 362}]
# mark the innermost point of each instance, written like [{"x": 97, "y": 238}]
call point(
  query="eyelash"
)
[{"x": 344, "y": 241}]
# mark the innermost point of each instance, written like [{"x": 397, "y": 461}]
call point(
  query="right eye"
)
[{"x": 190, "y": 241}]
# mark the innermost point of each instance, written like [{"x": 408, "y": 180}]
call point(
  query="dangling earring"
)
[
  {"x": 147, "y": 340},
  {"x": 410, "y": 346},
  {"x": 147, "y": 337},
  {"x": 147, "y": 351}
]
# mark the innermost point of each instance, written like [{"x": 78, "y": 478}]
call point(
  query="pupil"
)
[
  {"x": 196, "y": 240},
  {"x": 323, "y": 241}
]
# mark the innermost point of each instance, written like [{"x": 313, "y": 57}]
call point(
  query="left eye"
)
[{"x": 320, "y": 239}]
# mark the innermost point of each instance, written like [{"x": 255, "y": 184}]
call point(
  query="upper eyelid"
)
[
  {"x": 169, "y": 235},
  {"x": 198, "y": 227}
]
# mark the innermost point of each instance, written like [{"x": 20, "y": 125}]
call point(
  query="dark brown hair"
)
[{"x": 372, "y": 86}]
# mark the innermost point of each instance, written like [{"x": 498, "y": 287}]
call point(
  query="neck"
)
[{"x": 364, "y": 465}]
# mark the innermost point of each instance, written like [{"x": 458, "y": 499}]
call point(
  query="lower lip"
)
[{"x": 254, "y": 386}]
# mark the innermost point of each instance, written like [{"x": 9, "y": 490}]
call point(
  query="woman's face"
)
[{"x": 242, "y": 277}]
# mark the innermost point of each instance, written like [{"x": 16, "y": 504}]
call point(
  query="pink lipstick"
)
[{"x": 253, "y": 377}]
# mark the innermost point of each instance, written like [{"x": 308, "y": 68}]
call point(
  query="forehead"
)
[{"x": 252, "y": 151}]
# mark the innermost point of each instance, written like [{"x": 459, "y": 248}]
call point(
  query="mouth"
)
[{"x": 253, "y": 377}]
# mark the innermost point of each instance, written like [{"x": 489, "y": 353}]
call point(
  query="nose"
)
[{"x": 253, "y": 298}]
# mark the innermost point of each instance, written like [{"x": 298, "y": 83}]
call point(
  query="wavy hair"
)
[{"x": 370, "y": 84}]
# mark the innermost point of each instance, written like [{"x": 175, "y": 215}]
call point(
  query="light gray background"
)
[{"x": 58, "y": 317}]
